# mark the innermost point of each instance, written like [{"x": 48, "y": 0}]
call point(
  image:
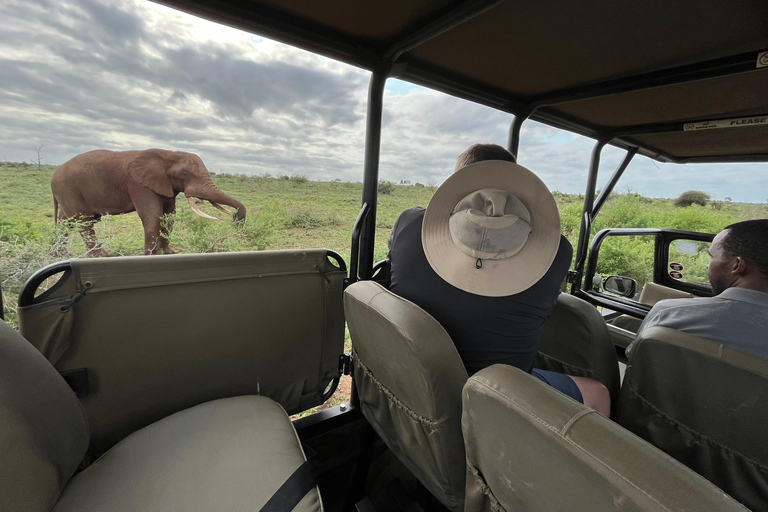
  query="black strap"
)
[{"x": 292, "y": 491}]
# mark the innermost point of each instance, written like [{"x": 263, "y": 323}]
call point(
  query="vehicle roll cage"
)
[{"x": 364, "y": 229}]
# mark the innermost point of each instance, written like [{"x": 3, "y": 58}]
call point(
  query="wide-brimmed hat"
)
[{"x": 492, "y": 228}]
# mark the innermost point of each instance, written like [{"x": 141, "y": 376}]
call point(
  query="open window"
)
[{"x": 630, "y": 270}]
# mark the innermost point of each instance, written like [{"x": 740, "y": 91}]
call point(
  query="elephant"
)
[{"x": 105, "y": 182}]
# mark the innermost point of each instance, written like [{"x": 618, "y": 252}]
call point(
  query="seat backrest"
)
[
  {"x": 409, "y": 378},
  {"x": 576, "y": 341},
  {"x": 532, "y": 448},
  {"x": 159, "y": 335},
  {"x": 703, "y": 403},
  {"x": 650, "y": 295},
  {"x": 43, "y": 432}
]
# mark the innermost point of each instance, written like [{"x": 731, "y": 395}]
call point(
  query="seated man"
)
[
  {"x": 486, "y": 260},
  {"x": 738, "y": 315}
]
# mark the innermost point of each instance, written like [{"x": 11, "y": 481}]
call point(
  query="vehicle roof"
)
[{"x": 636, "y": 73}]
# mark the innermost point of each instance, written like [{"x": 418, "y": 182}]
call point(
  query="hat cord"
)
[{"x": 479, "y": 264}]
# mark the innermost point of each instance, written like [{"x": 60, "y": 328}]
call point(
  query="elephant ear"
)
[{"x": 150, "y": 170}]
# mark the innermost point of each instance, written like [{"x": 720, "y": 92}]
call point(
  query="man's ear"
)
[
  {"x": 150, "y": 170},
  {"x": 740, "y": 266}
]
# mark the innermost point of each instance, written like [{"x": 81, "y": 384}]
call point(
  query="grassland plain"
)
[{"x": 292, "y": 212}]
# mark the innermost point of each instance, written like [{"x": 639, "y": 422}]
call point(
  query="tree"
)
[
  {"x": 690, "y": 197},
  {"x": 39, "y": 157}
]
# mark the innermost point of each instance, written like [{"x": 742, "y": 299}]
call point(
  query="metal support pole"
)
[
  {"x": 513, "y": 142},
  {"x": 586, "y": 216},
  {"x": 371, "y": 169},
  {"x": 603, "y": 197}
]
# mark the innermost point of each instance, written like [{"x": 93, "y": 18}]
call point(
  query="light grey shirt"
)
[{"x": 738, "y": 317}]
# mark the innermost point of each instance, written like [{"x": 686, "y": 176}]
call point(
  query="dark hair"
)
[
  {"x": 748, "y": 239},
  {"x": 480, "y": 152}
]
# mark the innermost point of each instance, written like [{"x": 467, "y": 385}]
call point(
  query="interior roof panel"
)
[
  {"x": 732, "y": 96},
  {"x": 576, "y": 44}
]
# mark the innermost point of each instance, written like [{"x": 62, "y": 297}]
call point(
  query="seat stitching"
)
[
  {"x": 392, "y": 398},
  {"x": 485, "y": 489},
  {"x": 575, "y": 445},
  {"x": 574, "y": 419},
  {"x": 694, "y": 433}
]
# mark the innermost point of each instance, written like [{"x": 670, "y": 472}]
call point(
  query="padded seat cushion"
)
[
  {"x": 534, "y": 449},
  {"x": 226, "y": 455}
]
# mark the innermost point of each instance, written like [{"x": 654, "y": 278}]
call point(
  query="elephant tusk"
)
[
  {"x": 197, "y": 210},
  {"x": 218, "y": 206}
]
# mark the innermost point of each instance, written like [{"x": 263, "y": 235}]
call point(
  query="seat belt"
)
[{"x": 294, "y": 488}]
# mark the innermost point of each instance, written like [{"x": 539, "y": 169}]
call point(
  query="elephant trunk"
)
[{"x": 211, "y": 193}]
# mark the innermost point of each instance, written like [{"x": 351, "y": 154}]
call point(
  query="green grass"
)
[{"x": 292, "y": 212}]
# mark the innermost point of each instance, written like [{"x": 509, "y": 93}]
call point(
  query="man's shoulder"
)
[{"x": 411, "y": 214}]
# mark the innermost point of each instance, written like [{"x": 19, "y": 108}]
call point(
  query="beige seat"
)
[
  {"x": 136, "y": 323},
  {"x": 409, "y": 378},
  {"x": 577, "y": 342},
  {"x": 704, "y": 404},
  {"x": 650, "y": 295},
  {"x": 531, "y": 448},
  {"x": 227, "y": 455}
]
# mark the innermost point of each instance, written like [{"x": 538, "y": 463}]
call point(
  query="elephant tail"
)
[{"x": 55, "y": 212}]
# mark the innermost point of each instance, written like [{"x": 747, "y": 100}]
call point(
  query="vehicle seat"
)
[
  {"x": 227, "y": 455},
  {"x": 531, "y": 448},
  {"x": 650, "y": 295},
  {"x": 409, "y": 378},
  {"x": 704, "y": 404},
  {"x": 576, "y": 341}
]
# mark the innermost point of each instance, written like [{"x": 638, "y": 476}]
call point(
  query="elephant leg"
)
[
  {"x": 169, "y": 209},
  {"x": 95, "y": 249},
  {"x": 152, "y": 220}
]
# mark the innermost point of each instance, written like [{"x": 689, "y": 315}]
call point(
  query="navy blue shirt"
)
[{"x": 485, "y": 330}]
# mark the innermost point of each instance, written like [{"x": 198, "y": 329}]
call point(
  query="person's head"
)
[
  {"x": 480, "y": 152},
  {"x": 740, "y": 257}
]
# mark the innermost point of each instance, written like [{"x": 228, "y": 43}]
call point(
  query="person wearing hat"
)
[{"x": 486, "y": 260}]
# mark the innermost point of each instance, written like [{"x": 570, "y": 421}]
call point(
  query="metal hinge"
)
[{"x": 345, "y": 364}]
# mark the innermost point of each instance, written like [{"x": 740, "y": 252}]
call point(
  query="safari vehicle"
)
[{"x": 681, "y": 82}]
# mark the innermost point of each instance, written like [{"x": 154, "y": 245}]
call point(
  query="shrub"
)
[
  {"x": 306, "y": 220},
  {"x": 194, "y": 234},
  {"x": 386, "y": 187},
  {"x": 299, "y": 179},
  {"x": 690, "y": 197}
]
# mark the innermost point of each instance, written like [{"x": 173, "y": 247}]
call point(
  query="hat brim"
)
[{"x": 496, "y": 278}]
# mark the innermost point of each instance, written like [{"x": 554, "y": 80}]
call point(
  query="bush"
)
[
  {"x": 386, "y": 187},
  {"x": 299, "y": 179},
  {"x": 306, "y": 220},
  {"x": 194, "y": 234},
  {"x": 690, "y": 197}
]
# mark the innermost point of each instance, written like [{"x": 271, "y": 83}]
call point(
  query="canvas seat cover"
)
[
  {"x": 576, "y": 341},
  {"x": 225, "y": 455},
  {"x": 409, "y": 378},
  {"x": 704, "y": 404},
  {"x": 531, "y": 448},
  {"x": 230, "y": 454}
]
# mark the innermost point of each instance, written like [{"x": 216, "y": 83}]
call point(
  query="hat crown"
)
[
  {"x": 484, "y": 216},
  {"x": 490, "y": 223}
]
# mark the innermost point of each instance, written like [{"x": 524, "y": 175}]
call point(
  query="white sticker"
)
[
  {"x": 685, "y": 247},
  {"x": 726, "y": 123},
  {"x": 762, "y": 60}
]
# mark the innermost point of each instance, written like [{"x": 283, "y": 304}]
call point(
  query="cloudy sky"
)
[{"x": 77, "y": 75}]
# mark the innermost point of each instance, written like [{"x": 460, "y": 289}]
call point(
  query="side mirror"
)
[{"x": 620, "y": 285}]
